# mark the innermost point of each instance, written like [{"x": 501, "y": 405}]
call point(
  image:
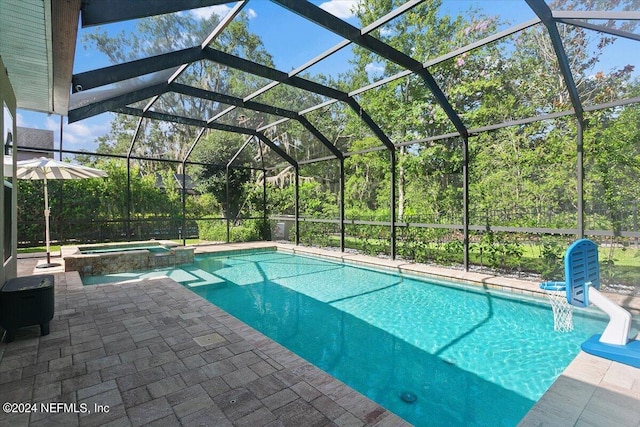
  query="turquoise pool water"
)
[{"x": 469, "y": 356}]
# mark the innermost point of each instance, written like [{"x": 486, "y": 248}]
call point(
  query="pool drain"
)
[{"x": 408, "y": 397}]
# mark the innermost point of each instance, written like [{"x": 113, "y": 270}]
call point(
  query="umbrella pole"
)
[
  {"x": 46, "y": 220},
  {"x": 46, "y": 228}
]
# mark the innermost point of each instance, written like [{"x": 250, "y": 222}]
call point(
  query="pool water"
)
[{"x": 468, "y": 356}]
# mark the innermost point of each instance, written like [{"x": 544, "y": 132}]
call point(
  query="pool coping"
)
[
  {"x": 118, "y": 257},
  {"x": 590, "y": 391},
  {"x": 71, "y": 250},
  {"x": 486, "y": 280},
  {"x": 158, "y": 354}
]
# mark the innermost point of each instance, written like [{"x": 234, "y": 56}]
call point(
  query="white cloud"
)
[
  {"x": 221, "y": 11},
  {"x": 387, "y": 32},
  {"x": 206, "y": 12},
  {"x": 77, "y": 136},
  {"x": 342, "y": 9},
  {"x": 20, "y": 120},
  {"x": 52, "y": 123},
  {"x": 84, "y": 134},
  {"x": 373, "y": 69}
]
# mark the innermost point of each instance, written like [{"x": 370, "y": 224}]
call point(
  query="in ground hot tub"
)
[
  {"x": 91, "y": 260},
  {"x": 152, "y": 246}
]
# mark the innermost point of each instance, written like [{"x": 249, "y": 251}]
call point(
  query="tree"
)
[
  {"x": 215, "y": 178},
  {"x": 165, "y": 33},
  {"x": 532, "y": 167},
  {"x": 612, "y": 158},
  {"x": 406, "y": 109}
]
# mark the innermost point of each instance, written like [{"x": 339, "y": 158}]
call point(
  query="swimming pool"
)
[{"x": 469, "y": 356}]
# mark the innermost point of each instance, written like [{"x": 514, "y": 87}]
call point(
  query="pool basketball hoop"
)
[
  {"x": 562, "y": 310},
  {"x": 581, "y": 288}
]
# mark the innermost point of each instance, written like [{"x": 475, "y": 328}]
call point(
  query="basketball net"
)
[{"x": 562, "y": 310}]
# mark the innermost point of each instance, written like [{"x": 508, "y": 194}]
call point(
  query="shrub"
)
[{"x": 216, "y": 231}]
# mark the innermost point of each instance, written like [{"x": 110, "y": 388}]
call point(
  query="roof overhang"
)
[{"x": 37, "y": 46}]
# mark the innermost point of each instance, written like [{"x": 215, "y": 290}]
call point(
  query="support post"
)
[
  {"x": 580, "y": 176},
  {"x": 341, "y": 160},
  {"x": 226, "y": 211},
  {"x": 264, "y": 203},
  {"x": 264, "y": 189},
  {"x": 61, "y": 133},
  {"x": 392, "y": 203},
  {"x": 542, "y": 9},
  {"x": 128, "y": 197},
  {"x": 47, "y": 215},
  {"x": 297, "y": 204},
  {"x": 184, "y": 203},
  {"x": 465, "y": 201},
  {"x": 129, "y": 152}
]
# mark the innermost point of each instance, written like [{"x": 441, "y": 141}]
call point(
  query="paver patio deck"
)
[{"x": 154, "y": 353}]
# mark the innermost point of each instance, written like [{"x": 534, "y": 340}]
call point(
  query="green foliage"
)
[
  {"x": 215, "y": 178},
  {"x": 367, "y": 178},
  {"x": 370, "y": 239},
  {"x": 315, "y": 234},
  {"x": 520, "y": 176},
  {"x": 164, "y": 33},
  {"x": 414, "y": 243},
  {"x": 614, "y": 142},
  {"x": 315, "y": 201},
  {"x": 452, "y": 252},
  {"x": 552, "y": 253},
  {"x": 97, "y": 209},
  {"x": 216, "y": 231},
  {"x": 212, "y": 230}
]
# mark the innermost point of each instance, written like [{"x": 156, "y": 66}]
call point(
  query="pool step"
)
[{"x": 201, "y": 278}]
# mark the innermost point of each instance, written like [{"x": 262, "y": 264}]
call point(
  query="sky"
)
[
  {"x": 300, "y": 42},
  {"x": 289, "y": 52}
]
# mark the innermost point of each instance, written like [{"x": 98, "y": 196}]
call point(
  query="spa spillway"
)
[{"x": 91, "y": 260}]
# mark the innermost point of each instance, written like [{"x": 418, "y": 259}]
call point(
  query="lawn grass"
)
[
  {"x": 624, "y": 257},
  {"x": 36, "y": 249},
  {"x": 624, "y": 268}
]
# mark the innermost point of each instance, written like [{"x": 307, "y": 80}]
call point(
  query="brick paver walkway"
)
[{"x": 154, "y": 353}]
